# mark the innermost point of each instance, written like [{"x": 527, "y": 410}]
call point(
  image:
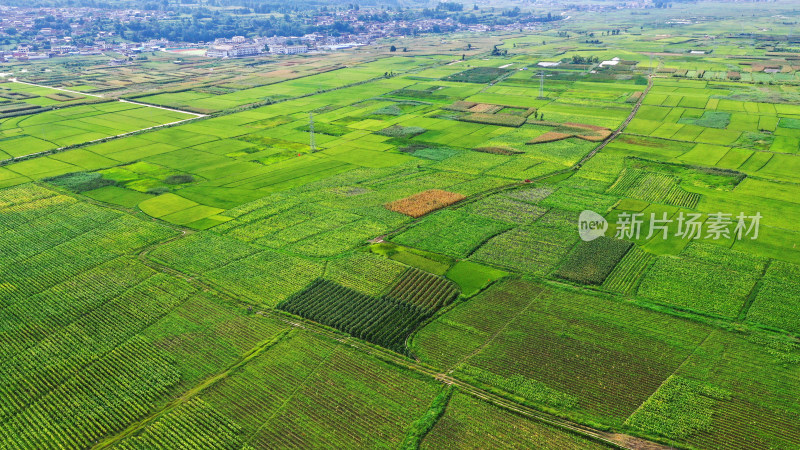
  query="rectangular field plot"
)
[
  {"x": 514, "y": 335},
  {"x": 136, "y": 333},
  {"x": 58, "y": 231},
  {"x": 533, "y": 249},
  {"x": 252, "y": 273},
  {"x": 49, "y": 130},
  {"x": 387, "y": 320},
  {"x": 193, "y": 100},
  {"x": 438, "y": 233},
  {"x": 21, "y": 99},
  {"x": 776, "y": 302},
  {"x": 733, "y": 391},
  {"x": 707, "y": 278}
]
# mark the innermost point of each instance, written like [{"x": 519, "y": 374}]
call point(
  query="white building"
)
[
  {"x": 232, "y": 51},
  {"x": 289, "y": 50},
  {"x": 63, "y": 48},
  {"x": 612, "y": 62}
]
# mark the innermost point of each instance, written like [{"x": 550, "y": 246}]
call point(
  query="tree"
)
[
  {"x": 463, "y": 57},
  {"x": 393, "y": 49}
]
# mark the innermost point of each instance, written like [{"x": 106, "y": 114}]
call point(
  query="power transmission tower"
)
[{"x": 311, "y": 128}]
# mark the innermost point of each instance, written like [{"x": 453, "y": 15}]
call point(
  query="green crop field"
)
[{"x": 572, "y": 230}]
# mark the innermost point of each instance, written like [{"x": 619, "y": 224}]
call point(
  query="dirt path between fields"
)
[
  {"x": 494, "y": 336},
  {"x": 620, "y": 128},
  {"x": 15, "y": 80},
  {"x": 161, "y": 107},
  {"x": 194, "y": 391}
]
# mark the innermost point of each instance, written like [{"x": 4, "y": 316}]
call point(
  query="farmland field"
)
[{"x": 554, "y": 233}]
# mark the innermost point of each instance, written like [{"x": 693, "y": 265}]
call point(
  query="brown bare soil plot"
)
[
  {"x": 567, "y": 130},
  {"x": 485, "y": 108},
  {"x": 424, "y": 202},
  {"x": 550, "y": 136}
]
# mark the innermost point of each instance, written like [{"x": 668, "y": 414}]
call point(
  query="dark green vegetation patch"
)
[
  {"x": 591, "y": 262},
  {"x": 419, "y": 288},
  {"x": 478, "y": 75},
  {"x": 80, "y": 181},
  {"x": 710, "y": 119},
  {"x": 386, "y": 321}
]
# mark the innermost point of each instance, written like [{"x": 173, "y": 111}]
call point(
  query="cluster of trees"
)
[
  {"x": 497, "y": 52},
  {"x": 450, "y": 6},
  {"x": 577, "y": 59}
]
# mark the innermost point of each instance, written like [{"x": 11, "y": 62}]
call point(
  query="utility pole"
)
[
  {"x": 311, "y": 129},
  {"x": 541, "y": 83}
]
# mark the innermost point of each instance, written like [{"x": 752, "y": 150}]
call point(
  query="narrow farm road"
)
[
  {"x": 620, "y": 128},
  {"x": 494, "y": 336},
  {"x": 15, "y": 80},
  {"x": 161, "y": 107}
]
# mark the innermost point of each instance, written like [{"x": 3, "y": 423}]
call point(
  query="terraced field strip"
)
[
  {"x": 117, "y": 136},
  {"x": 161, "y": 107},
  {"x": 14, "y": 80}
]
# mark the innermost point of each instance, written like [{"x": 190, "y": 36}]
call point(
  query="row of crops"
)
[
  {"x": 422, "y": 289},
  {"x": 381, "y": 320},
  {"x": 653, "y": 187},
  {"x": 341, "y": 398}
]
